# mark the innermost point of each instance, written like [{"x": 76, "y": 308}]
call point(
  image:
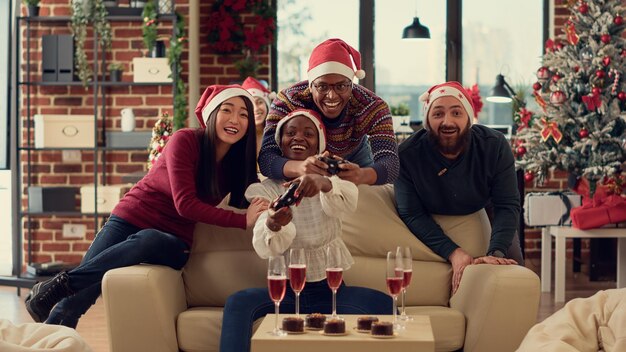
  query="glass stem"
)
[
  {"x": 403, "y": 298},
  {"x": 334, "y": 304},
  {"x": 298, "y": 304},
  {"x": 395, "y": 308},
  {"x": 276, "y": 304}
]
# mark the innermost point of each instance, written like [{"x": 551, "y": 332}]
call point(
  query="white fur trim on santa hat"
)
[
  {"x": 321, "y": 145},
  {"x": 222, "y": 97},
  {"x": 446, "y": 91},
  {"x": 261, "y": 94},
  {"x": 329, "y": 68}
]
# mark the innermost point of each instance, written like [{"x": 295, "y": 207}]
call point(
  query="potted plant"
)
[
  {"x": 115, "y": 71},
  {"x": 33, "y": 7},
  {"x": 88, "y": 13},
  {"x": 401, "y": 109}
]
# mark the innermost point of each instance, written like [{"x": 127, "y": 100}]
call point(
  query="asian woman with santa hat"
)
[{"x": 154, "y": 222}]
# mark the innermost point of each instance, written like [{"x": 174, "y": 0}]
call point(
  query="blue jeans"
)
[
  {"x": 362, "y": 155},
  {"x": 244, "y": 307},
  {"x": 118, "y": 244}
]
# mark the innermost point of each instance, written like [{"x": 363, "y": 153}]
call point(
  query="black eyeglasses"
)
[{"x": 339, "y": 88}]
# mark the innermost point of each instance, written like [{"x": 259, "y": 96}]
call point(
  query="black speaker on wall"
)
[{"x": 57, "y": 58}]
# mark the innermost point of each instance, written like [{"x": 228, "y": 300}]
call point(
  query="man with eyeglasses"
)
[{"x": 357, "y": 123}]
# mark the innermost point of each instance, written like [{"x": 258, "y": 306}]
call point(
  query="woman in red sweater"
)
[{"x": 153, "y": 223}]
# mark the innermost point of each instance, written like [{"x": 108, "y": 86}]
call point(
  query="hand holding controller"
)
[
  {"x": 288, "y": 198},
  {"x": 333, "y": 164}
]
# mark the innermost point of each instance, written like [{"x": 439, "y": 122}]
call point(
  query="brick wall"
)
[{"x": 148, "y": 102}]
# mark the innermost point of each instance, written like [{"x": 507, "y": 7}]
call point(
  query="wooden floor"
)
[{"x": 92, "y": 326}]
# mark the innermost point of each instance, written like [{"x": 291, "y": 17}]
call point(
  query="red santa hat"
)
[
  {"x": 258, "y": 89},
  {"x": 335, "y": 56},
  {"x": 214, "y": 95},
  {"x": 448, "y": 89},
  {"x": 311, "y": 115}
]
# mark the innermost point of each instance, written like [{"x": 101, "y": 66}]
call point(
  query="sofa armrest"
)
[
  {"x": 500, "y": 304},
  {"x": 142, "y": 304}
]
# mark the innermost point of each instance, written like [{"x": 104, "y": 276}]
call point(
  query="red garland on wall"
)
[{"x": 227, "y": 33}]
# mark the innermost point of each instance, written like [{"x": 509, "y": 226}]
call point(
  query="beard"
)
[{"x": 450, "y": 146}]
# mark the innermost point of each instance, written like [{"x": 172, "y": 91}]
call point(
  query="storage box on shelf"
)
[
  {"x": 64, "y": 131},
  {"x": 107, "y": 198},
  {"x": 151, "y": 69},
  {"x": 46, "y": 199}
]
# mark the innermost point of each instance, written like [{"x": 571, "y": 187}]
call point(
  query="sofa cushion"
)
[
  {"x": 199, "y": 328},
  {"x": 376, "y": 228}
]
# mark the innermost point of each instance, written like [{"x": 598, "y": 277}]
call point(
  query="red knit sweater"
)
[{"x": 165, "y": 199}]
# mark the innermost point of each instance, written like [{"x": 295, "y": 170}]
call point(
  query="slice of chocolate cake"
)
[
  {"x": 293, "y": 324},
  {"x": 365, "y": 323},
  {"x": 335, "y": 326},
  {"x": 382, "y": 328},
  {"x": 315, "y": 321}
]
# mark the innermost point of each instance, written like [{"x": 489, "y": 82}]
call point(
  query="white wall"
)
[{"x": 5, "y": 223}]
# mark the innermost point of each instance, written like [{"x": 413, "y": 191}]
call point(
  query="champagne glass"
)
[
  {"x": 407, "y": 259},
  {"x": 297, "y": 274},
  {"x": 395, "y": 274},
  {"x": 334, "y": 273},
  {"x": 277, "y": 283}
]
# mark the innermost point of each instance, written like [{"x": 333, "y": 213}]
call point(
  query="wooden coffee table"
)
[{"x": 417, "y": 337}]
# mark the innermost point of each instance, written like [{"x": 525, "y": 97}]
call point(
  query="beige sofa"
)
[{"x": 153, "y": 308}]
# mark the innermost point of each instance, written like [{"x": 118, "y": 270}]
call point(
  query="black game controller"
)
[
  {"x": 333, "y": 164},
  {"x": 288, "y": 198}
]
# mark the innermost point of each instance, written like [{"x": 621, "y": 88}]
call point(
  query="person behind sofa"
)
[
  {"x": 454, "y": 168},
  {"x": 262, "y": 99},
  {"x": 358, "y": 123},
  {"x": 154, "y": 222},
  {"x": 313, "y": 225}
]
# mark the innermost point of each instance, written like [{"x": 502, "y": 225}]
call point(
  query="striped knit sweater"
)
[{"x": 365, "y": 114}]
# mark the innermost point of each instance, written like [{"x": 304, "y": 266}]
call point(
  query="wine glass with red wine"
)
[
  {"x": 277, "y": 284},
  {"x": 407, "y": 259},
  {"x": 297, "y": 274},
  {"x": 334, "y": 273},
  {"x": 395, "y": 276}
]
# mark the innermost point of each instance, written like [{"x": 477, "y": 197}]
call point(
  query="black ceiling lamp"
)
[{"x": 416, "y": 30}]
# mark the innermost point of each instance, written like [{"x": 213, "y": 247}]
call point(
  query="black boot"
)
[{"x": 45, "y": 295}]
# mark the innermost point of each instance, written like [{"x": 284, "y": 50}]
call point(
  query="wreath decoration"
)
[{"x": 229, "y": 35}]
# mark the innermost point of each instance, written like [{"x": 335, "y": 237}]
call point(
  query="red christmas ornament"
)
[
  {"x": 621, "y": 96},
  {"x": 557, "y": 98},
  {"x": 521, "y": 151},
  {"x": 583, "y": 133},
  {"x": 596, "y": 91},
  {"x": 536, "y": 86},
  {"x": 600, "y": 74},
  {"x": 555, "y": 78},
  {"x": 543, "y": 73},
  {"x": 583, "y": 8},
  {"x": 529, "y": 176},
  {"x": 605, "y": 38},
  {"x": 623, "y": 53},
  {"x": 618, "y": 20},
  {"x": 576, "y": 68},
  {"x": 606, "y": 61}
]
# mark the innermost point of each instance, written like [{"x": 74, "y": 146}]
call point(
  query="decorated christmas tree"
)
[
  {"x": 161, "y": 132},
  {"x": 581, "y": 92}
]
